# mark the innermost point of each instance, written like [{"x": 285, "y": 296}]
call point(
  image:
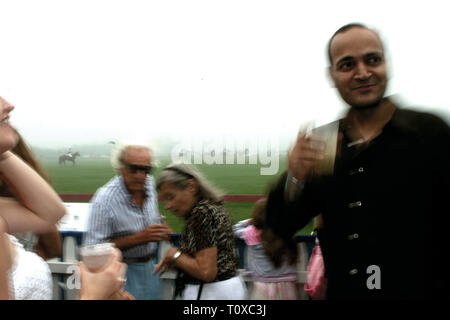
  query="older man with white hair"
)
[{"x": 125, "y": 212}]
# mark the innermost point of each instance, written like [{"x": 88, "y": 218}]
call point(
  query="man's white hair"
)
[{"x": 118, "y": 153}]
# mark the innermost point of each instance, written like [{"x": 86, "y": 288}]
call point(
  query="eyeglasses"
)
[{"x": 133, "y": 168}]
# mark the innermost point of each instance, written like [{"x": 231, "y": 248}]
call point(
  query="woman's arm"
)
[
  {"x": 32, "y": 191},
  {"x": 21, "y": 219},
  {"x": 202, "y": 266},
  {"x": 49, "y": 244},
  {"x": 5, "y": 260}
]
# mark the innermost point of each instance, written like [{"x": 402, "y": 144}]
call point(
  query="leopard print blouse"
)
[{"x": 209, "y": 225}]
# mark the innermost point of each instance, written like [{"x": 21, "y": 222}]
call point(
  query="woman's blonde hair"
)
[{"x": 180, "y": 174}]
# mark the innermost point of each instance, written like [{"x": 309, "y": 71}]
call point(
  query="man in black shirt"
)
[{"x": 383, "y": 203}]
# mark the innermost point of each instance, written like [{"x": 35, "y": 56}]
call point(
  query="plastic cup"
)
[
  {"x": 329, "y": 134},
  {"x": 95, "y": 257}
]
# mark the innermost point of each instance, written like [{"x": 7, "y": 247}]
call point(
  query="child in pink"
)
[{"x": 270, "y": 260}]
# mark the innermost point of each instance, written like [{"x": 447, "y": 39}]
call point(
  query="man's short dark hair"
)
[{"x": 343, "y": 29}]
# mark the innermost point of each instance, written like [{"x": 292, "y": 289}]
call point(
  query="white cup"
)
[
  {"x": 329, "y": 134},
  {"x": 96, "y": 256}
]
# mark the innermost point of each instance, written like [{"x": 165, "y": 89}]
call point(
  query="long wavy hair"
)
[
  {"x": 23, "y": 151},
  {"x": 277, "y": 249}
]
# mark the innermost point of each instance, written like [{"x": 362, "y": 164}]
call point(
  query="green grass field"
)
[{"x": 90, "y": 174}]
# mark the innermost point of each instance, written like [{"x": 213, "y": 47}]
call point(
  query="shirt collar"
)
[{"x": 399, "y": 121}]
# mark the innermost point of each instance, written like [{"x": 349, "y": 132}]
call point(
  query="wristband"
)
[
  {"x": 299, "y": 184},
  {"x": 290, "y": 192}
]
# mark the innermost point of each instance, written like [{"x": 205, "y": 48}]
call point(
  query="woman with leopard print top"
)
[{"x": 207, "y": 257}]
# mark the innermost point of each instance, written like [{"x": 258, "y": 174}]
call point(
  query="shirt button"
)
[
  {"x": 355, "y": 171},
  {"x": 353, "y": 236},
  {"x": 355, "y": 204},
  {"x": 353, "y": 272}
]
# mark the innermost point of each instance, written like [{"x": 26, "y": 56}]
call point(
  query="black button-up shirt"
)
[{"x": 384, "y": 206}]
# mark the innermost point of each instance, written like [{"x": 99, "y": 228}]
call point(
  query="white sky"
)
[{"x": 92, "y": 71}]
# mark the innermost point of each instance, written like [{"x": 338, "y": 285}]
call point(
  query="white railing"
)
[
  {"x": 65, "y": 278},
  {"x": 72, "y": 227}
]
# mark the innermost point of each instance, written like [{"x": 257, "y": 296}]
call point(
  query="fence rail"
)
[{"x": 64, "y": 277}]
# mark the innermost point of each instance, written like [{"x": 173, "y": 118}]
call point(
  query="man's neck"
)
[
  {"x": 368, "y": 123},
  {"x": 138, "y": 197}
]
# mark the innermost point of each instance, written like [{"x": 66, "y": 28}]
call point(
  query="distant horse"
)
[{"x": 67, "y": 157}]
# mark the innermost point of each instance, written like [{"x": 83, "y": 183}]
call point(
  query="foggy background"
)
[{"x": 90, "y": 72}]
